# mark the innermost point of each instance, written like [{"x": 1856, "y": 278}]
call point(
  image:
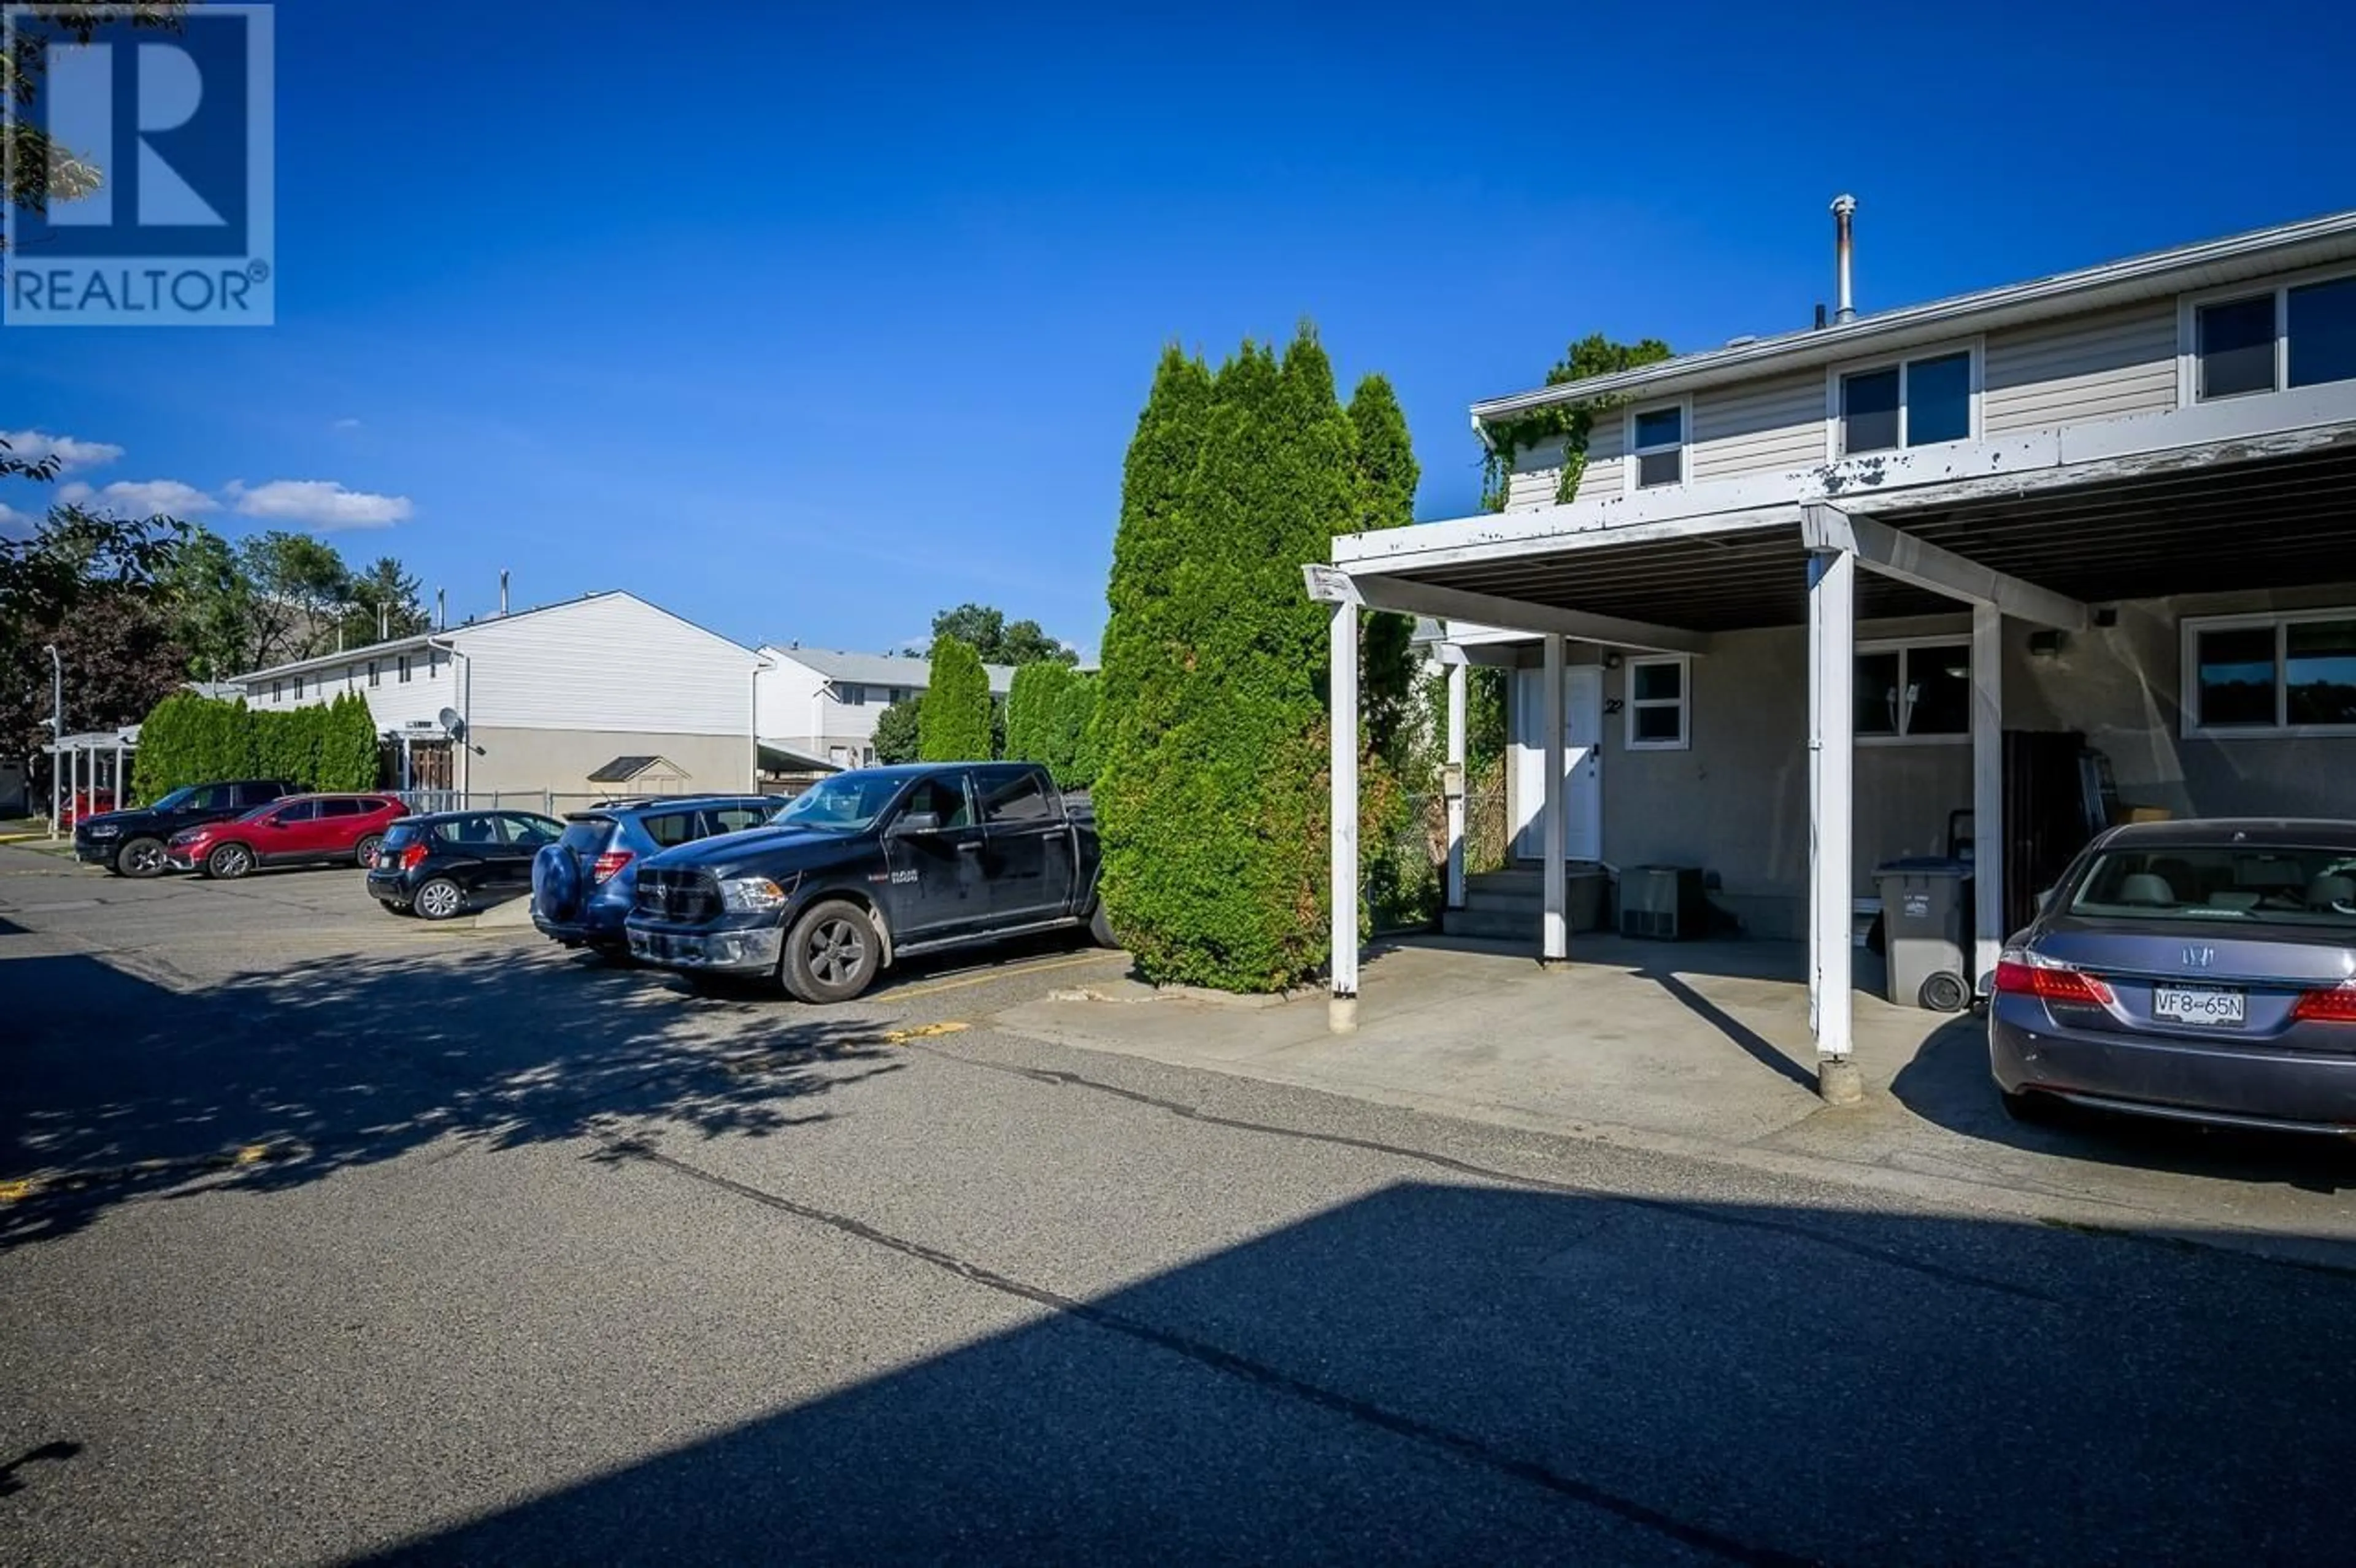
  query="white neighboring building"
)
[
  {"x": 821, "y": 703},
  {"x": 547, "y": 698}
]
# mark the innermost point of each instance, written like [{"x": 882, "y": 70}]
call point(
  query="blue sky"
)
[{"x": 805, "y": 326}]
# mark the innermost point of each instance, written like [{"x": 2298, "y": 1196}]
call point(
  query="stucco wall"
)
[
  {"x": 562, "y": 760},
  {"x": 1736, "y": 802}
]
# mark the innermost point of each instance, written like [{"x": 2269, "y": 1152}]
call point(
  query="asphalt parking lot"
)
[{"x": 330, "y": 1236}]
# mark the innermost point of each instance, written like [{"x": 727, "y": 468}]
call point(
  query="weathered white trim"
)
[
  {"x": 1407, "y": 597},
  {"x": 1453, "y": 781},
  {"x": 1832, "y": 671},
  {"x": 1897, "y": 554},
  {"x": 2312, "y": 241},
  {"x": 2234, "y": 431},
  {"x": 1343, "y": 729},
  {"x": 1555, "y": 943},
  {"x": 1987, "y": 791}
]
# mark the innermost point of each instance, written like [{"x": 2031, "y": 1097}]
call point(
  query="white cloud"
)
[
  {"x": 140, "y": 498},
  {"x": 345, "y": 425},
  {"x": 319, "y": 504},
  {"x": 32, "y": 445},
  {"x": 16, "y": 525}
]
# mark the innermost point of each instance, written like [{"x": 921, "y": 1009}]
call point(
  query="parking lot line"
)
[{"x": 1009, "y": 972}]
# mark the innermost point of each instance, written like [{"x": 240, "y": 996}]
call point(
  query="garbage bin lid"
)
[{"x": 1924, "y": 866}]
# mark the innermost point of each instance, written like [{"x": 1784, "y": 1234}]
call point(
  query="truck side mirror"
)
[{"x": 917, "y": 822}]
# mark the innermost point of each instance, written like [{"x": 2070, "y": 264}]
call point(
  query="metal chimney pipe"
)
[
  {"x": 1843, "y": 209},
  {"x": 441, "y": 609},
  {"x": 503, "y": 591}
]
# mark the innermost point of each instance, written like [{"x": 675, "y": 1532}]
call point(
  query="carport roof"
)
[{"x": 2269, "y": 522}]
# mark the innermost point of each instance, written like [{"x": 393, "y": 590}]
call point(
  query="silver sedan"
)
[{"x": 2201, "y": 970}]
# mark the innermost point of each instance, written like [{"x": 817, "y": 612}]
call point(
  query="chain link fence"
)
[{"x": 1406, "y": 865}]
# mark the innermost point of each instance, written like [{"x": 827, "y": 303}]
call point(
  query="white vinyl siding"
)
[
  {"x": 1769, "y": 427},
  {"x": 2106, "y": 367},
  {"x": 1537, "y": 471},
  {"x": 608, "y": 663}
]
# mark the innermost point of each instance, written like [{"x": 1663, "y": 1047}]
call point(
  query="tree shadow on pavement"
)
[
  {"x": 1946, "y": 1083},
  {"x": 116, "y": 1088},
  {"x": 1475, "y": 1374}
]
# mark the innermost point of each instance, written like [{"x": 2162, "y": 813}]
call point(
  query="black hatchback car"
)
[{"x": 441, "y": 865}]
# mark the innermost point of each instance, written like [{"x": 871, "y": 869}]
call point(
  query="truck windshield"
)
[
  {"x": 176, "y": 799},
  {"x": 843, "y": 804}
]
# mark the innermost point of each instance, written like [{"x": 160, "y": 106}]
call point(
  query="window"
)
[
  {"x": 839, "y": 755},
  {"x": 2292, "y": 334},
  {"x": 298, "y": 688},
  {"x": 1914, "y": 691},
  {"x": 300, "y": 811},
  {"x": 344, "y": 808},
  {"x": 1656, "y": 447},
  {"x": 277, "y": 690},
  {"x": 1657, "y": 705},
  {"x": 371, "y": 672},
  {"x": 899, "y": 694},
  {"x": 734, "y": 818},
  {"x": 1912, "y": 402},
  {"x": 401, "y": 670},
  {"x": 1012, "y": 794},
  {"x": 852, "y": 696},
  {"x": 944, "y": 796},
  {"x": 2259, "y": 675},
  {"x": 669, "y": 827}
]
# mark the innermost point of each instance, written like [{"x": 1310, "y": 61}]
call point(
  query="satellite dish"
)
[{"x": 451, "y": 725}]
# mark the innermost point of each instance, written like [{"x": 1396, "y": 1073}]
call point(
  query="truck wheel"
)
[
  {"x": 140, "y": 857},
  {"x": 1100, "y": 927},
  {"x": 832, "y": 953}
]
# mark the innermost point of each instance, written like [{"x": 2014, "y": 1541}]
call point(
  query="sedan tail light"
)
[
  {"x": 2021, "y": 973},
  {"x": 412, "y": 856},
  {"x": 2336, "y": 1006},
  {"x": 607, "y": 864}
]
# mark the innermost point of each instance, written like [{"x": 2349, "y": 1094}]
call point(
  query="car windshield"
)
[
  {"x": 843, "y": 804},
  {"x": 2237, "y": 883}
]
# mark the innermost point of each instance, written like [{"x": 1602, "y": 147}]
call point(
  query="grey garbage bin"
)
[{"x": 1927, "y": 931}]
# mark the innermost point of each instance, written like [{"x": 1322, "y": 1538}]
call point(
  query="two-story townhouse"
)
[
  {"x": 1811, "y": 591},
  {"x": 821, "y": 704},
  {"x": 550, "y": 698}
]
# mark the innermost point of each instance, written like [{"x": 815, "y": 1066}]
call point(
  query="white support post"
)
[
  {"x": 1832, "y": 720},
  {"x": 1342, "y": 1010},
  {"x": 1454, "y": 781},
  {"x": 1987, "y": 789},
  {"x": 57, "y": 760},
  {"x": 1555, "y": 947}
]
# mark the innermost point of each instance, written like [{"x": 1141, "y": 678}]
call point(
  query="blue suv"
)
[{"x": 583, "y": 885}]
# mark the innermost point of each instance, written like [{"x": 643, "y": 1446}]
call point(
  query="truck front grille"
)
[{"x": 687, "y": 897}]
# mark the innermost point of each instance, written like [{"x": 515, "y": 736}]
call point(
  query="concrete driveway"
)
[
  {"x": 1703, "y": 1049},
  {"x": 537, "y": 1261}
]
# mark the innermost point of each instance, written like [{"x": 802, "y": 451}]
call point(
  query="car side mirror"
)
[{"x": 917, "y": 822}]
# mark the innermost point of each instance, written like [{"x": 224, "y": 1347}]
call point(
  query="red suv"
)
[{"x": 300, "y": 830}]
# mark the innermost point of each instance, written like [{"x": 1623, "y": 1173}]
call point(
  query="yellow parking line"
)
[
  {"x": 924, "y": 1031},
  {"x": 989, "y": 975}
]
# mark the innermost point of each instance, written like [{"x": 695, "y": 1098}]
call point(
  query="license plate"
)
[{"x": 2197, "y": 1005}]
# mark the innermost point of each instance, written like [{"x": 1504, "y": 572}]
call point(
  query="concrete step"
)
[
  {"x": 1497, "y": 925},
  {"x": 1530, "y": 903}
]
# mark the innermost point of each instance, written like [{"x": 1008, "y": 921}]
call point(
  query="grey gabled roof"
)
[
  {"x": 2157, "y": 274},
  {"x": 880, "y": 669}
]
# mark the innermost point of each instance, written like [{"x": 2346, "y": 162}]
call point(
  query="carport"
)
[{"x": 2045, "y": 530}]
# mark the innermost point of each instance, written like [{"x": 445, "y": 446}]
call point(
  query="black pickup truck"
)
[{"x": 870, "y": 867}]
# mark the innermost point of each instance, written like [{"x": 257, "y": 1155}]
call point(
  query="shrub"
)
[{"x": 954, "y": 722}]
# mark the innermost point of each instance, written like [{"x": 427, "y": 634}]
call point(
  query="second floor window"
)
[
  {"x": 401, "y": 670},
  {"x": 853, "y": 696},
  {"x": 298, "y": 688},
  {"x": 277, "y": 691},
  {"x": 2300, "y": 335},
  {"x": 371, "y": 672},
  {"x": 1912, "y": 403},
  {"x": 1656, "y": 447}
]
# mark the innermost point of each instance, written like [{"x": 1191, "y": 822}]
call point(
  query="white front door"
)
[{"x": 1582, "y": 761}]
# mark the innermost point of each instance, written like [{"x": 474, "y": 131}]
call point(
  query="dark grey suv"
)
[{"x": 2200, "y": 970}]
